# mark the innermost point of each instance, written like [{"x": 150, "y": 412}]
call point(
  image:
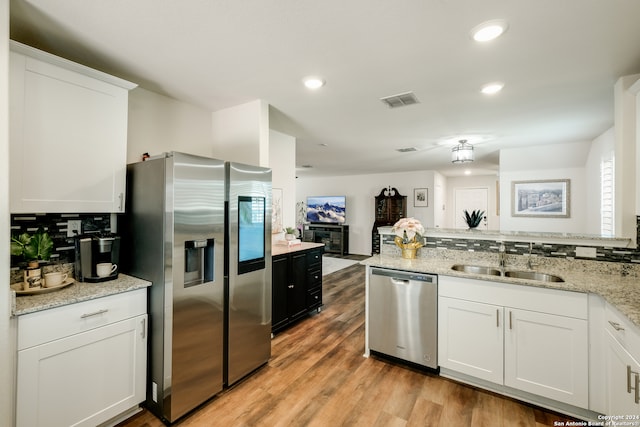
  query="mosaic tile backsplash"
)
[
  {"x": 604, "y": 253},
  {"x": 56, "y": 225}
]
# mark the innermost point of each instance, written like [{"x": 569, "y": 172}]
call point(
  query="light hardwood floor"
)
[{"x": 317, "y": 376}]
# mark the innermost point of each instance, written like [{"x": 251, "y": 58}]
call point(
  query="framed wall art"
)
[
  {"x": 421, "y": 197},
  {"x": 549, "y": 198}
]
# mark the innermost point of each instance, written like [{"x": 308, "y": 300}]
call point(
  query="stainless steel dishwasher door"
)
[{"x": 403, "y": 315}]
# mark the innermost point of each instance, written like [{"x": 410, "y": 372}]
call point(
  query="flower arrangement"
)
[{"x": 409, "y": 233}]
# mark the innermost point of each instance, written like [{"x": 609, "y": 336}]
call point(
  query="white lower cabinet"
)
[
  {"x": 622, "y": 361},
  {"x": 547, "y": 355},
  {"x": 516, "y": 336},
  {"x": 471, "y": 339},
  {"x": 88, "y": 377}
]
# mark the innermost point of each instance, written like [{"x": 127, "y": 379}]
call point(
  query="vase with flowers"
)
[{"x": 408, "y": 238}]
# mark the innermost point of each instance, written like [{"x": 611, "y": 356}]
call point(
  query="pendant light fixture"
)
[{"x": 462, "y": 153}]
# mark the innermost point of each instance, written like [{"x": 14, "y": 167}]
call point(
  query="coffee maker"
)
[{"x": 95, "y": 249}]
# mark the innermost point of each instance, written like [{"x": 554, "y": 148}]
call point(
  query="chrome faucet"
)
[
  {"x": 502, "y": 255},
  {"x": 530, "y": 264}
]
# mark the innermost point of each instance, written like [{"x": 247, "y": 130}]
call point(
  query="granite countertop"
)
[
  {"x": 284, "y": 249},
  {"x": 617, "y": 283},
  {"x": 76, "y": 292}
]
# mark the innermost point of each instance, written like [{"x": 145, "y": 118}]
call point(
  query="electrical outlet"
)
[
  {"x": 74, "y": 227},
  {"x": 154, "y": 391}
]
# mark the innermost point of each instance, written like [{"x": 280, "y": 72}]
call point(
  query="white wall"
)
[
  {"x": 282, "y": 158},
  {"x": 160, "y": 124},
  {"x": 558, "y": 161},
  {"x": 361, "y": 191},
  {"x": 241, "y": 133},
  {"x": 7, "y": 325}
]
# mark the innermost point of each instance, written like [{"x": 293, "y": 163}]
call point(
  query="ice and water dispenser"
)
[{"x": 198, "y": 262}]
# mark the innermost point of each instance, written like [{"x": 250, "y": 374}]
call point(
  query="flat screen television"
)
[{"x": 326, "y": 209}]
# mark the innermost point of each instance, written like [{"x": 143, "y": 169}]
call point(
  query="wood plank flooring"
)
[{"x": 317, "y": 376}]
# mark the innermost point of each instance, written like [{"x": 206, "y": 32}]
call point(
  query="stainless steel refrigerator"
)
[{"x": 192, "y": 228}]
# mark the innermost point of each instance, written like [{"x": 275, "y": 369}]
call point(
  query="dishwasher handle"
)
[
  {"x": 405, "y": 276},
  {"x": 397, "y": 281}
]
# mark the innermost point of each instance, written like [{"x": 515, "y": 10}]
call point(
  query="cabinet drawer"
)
[
  {"x": 314, "y": 279},
  {"x": 314, "y": 298},
  {"x": 621, "y": 328},
  {"x": 314, "y": 258},
  {"x": 48, "y": 325}
]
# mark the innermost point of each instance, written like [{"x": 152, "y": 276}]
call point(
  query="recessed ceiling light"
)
[
  {"x": 492, "y": 88},
  {"x": 313, "y": 82},
  {"x": 467, "y": 172},
  {"x": 489, "y": 30}
]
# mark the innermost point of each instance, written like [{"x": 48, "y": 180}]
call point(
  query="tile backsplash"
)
[
  {"x": 603, "y": 253},
  {"x": 56, "y": 225}
]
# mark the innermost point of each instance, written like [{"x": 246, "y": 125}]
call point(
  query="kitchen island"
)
[
  {"x": 617, "y": 283},
  {"x": 571, "y": 345}
]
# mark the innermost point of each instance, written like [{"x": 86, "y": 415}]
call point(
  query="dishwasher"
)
[{"x": 403, "y": 315}]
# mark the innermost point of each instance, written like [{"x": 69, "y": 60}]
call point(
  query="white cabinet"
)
[
  {"x": 82, "y": 364},
  {"x": 622, "y": 372},
  {"x": 471, "y": 338},
  {"x": 547, "y": 355},
  {"x": 68, "y": 135},
  {"x": 530, "y": 339}
]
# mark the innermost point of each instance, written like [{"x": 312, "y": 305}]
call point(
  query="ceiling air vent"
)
[
  {"x": 407, "y": 150},
  {"x": 400, "y": 100}
]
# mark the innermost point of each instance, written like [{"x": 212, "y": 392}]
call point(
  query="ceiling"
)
[{"x": 559, "y": 61}]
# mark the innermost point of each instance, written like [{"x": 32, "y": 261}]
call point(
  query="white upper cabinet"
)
[{"x": 68, "y": 135}]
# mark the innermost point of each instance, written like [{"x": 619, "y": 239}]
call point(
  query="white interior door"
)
[{"x": 470, "y": 199}]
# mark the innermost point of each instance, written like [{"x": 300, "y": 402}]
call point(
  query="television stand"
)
[{"x": 334, "y": 237}]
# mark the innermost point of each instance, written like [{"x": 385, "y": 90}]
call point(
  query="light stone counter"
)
[
  {"x": 617, "y": 283},
  {"x": 284, "y": 249},
  {"x": 76, "y": 292}
]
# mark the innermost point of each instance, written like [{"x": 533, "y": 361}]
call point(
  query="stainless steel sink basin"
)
[
  {"x": 476, "y": 269},
  {"x": 533, "y": 275},
  {"x": 515, "y": 274}
]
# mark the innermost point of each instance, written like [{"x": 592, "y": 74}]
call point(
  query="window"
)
[{"x": 607, "y": 197}]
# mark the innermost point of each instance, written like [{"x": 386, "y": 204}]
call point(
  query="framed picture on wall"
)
[
  {"x": 421, "y": 197},
  {"x": 548, "y": 198}
]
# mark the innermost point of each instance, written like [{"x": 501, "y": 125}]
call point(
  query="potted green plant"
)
[
  {"x": 473, "y": 219},
  {"x": 290, "y": 233},
  {"x": 32, "y": 247}
]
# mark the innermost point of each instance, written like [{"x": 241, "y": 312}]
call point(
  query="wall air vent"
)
[
  {"x": 407, "y": 150},
  {"x": 400, "y": 100}
]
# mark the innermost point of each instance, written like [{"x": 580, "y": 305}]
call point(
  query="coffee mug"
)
[
  {"x": 104, "y": 269},
  {"x": 55, "y": 278}
]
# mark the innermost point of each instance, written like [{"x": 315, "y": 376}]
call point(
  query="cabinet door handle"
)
[
  {"x": 497, "y": 317},
  {"x": 637, "y": 388},
  {"x": 143, "y": 333},
  {"x": 510, "y": 321},
  {"x": 616, "y": 326},
  {"x": 95, "y": 313}
]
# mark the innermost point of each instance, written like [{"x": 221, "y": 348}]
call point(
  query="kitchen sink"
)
[
  {"x": 491, "y": 271},
  {"x": 476, "y": 269},
  {"x": 533, "y": 275}
]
